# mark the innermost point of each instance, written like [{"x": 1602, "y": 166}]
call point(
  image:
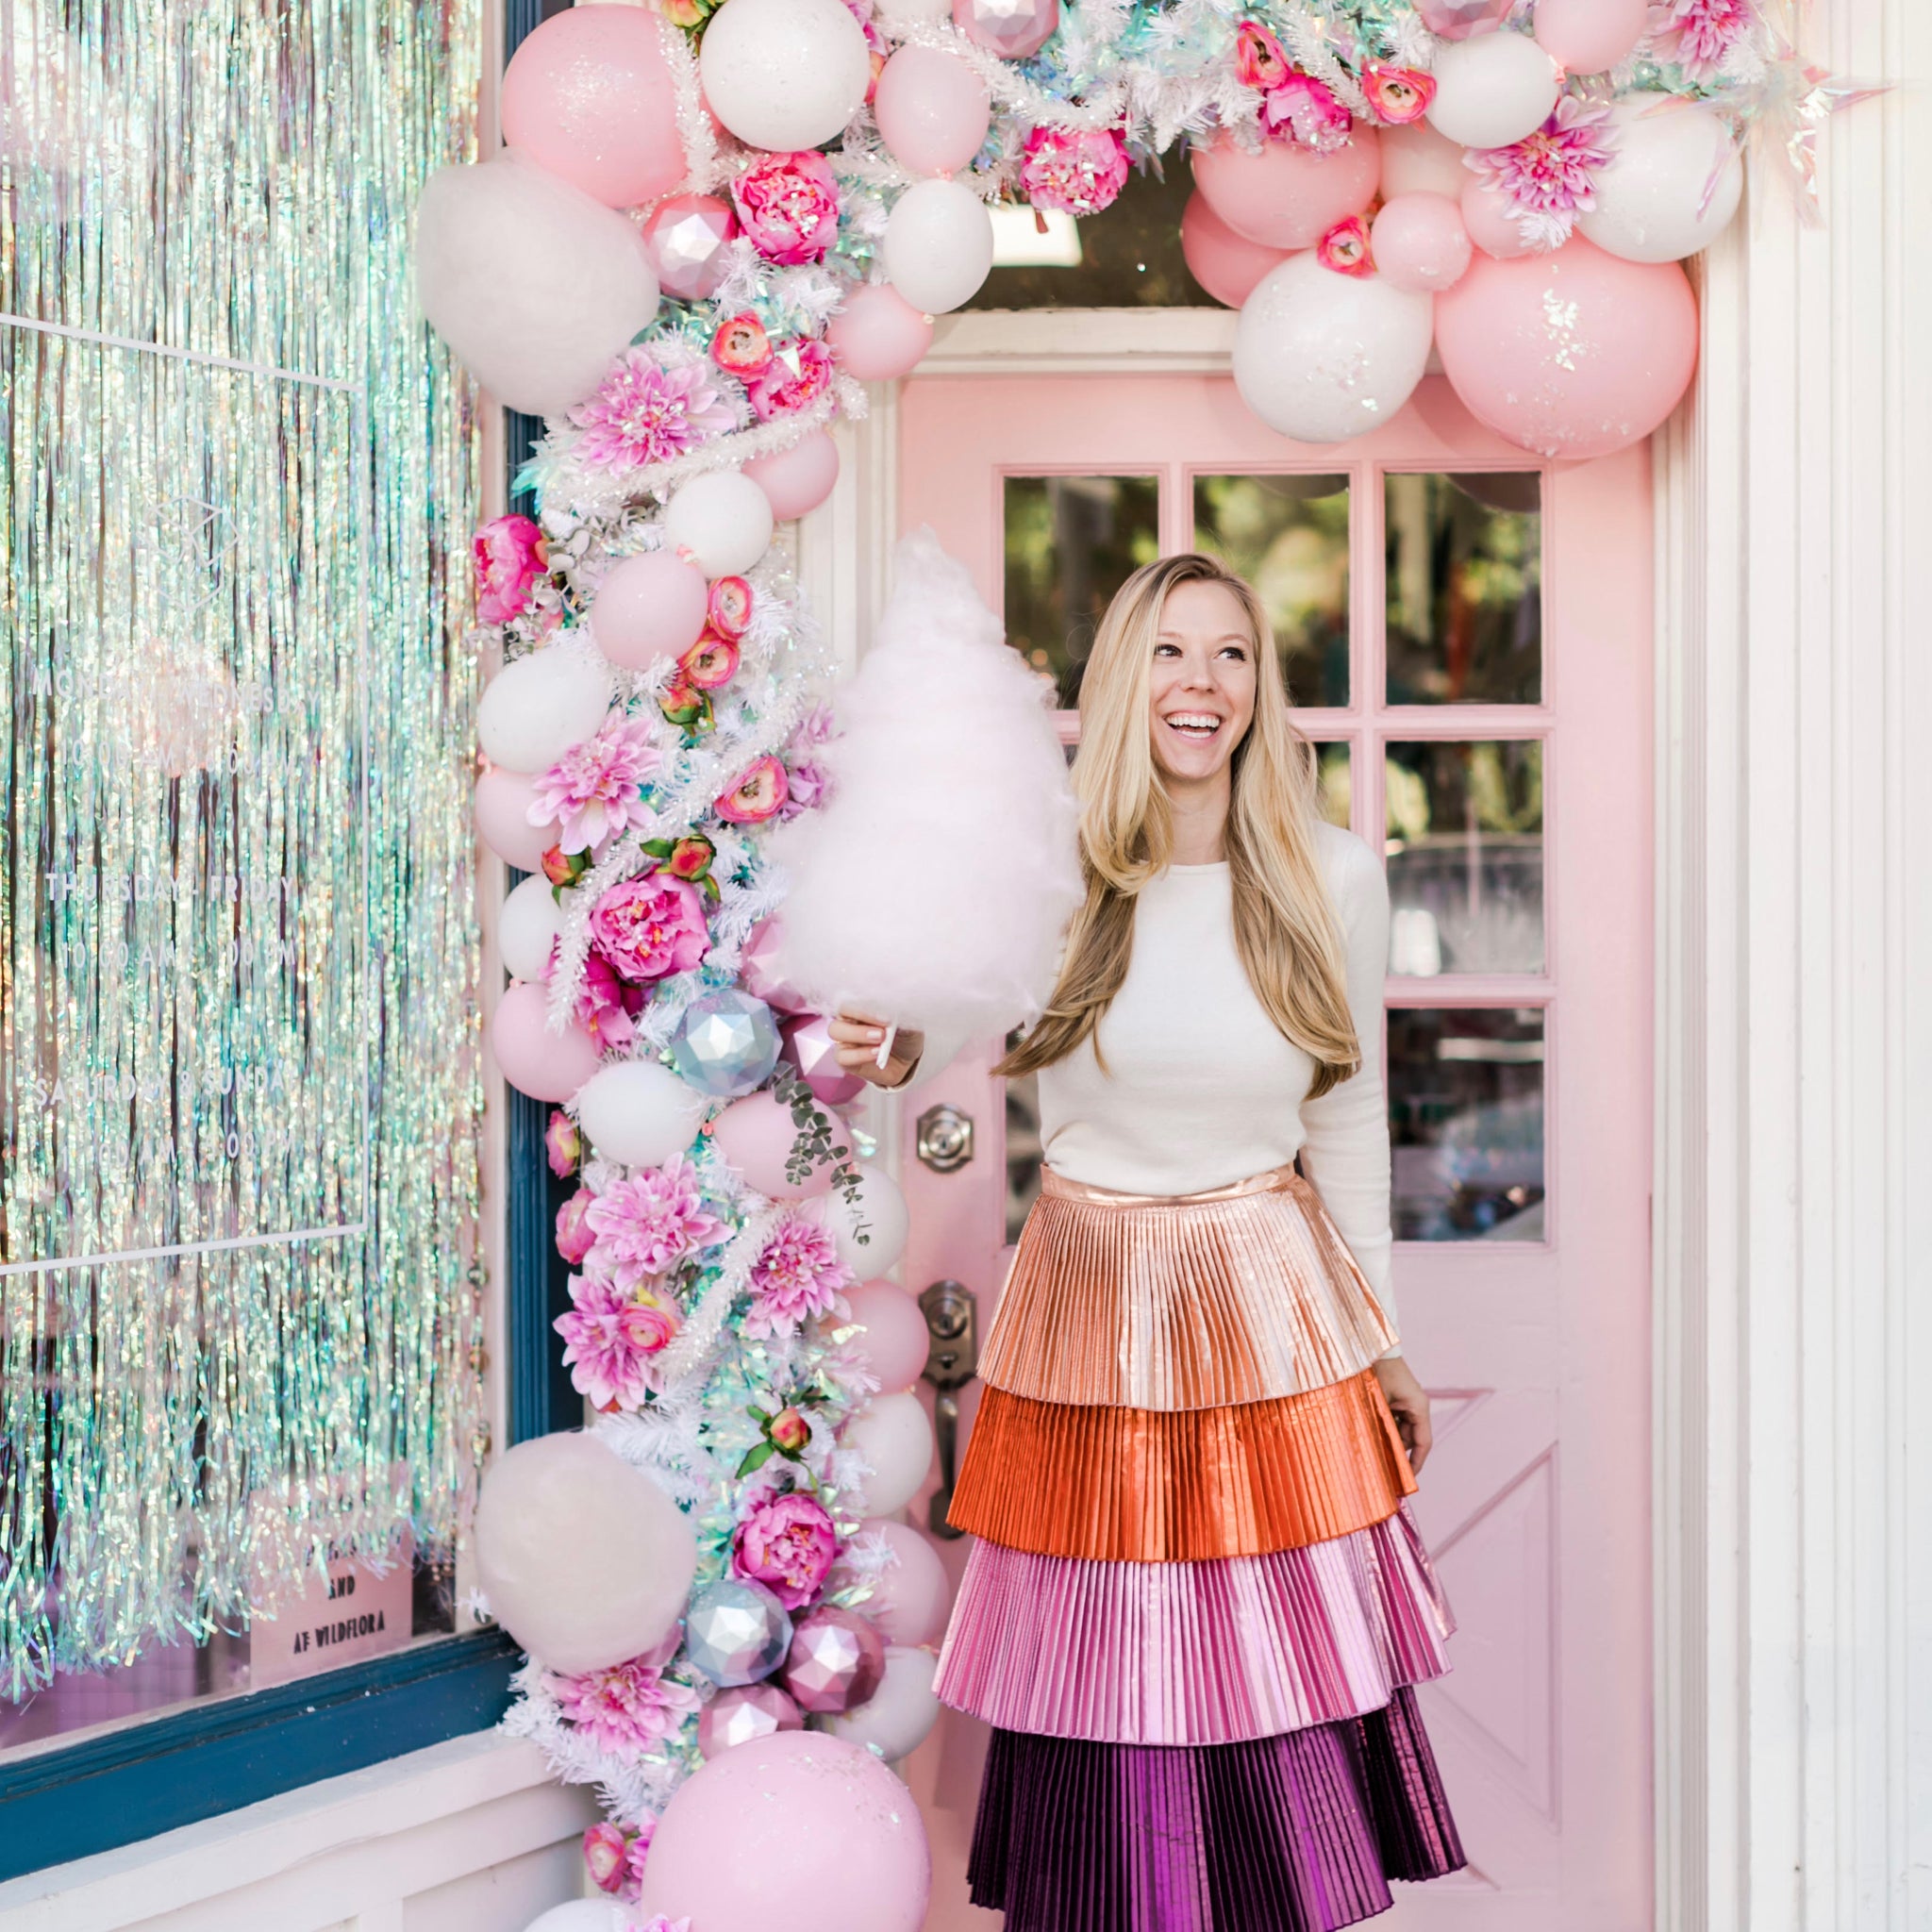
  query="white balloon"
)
[
  {"x": 723, "y": 518},
  {"x": 1418, "y": 160},
  {"x": 1492, "y": 90},
  {"x": 893, "y": 1434},
  {"x": 894, "y": 1719},
  {"x": 785, "y": 74},
  {"x": 529, "y": 926},
  {"x": 938, "y": 245},
  {"x": 541, "y": 339},
  {"x": 1672, "y": 187},
  {"x": 582, "y": 1915},
  {"x": 1321, "y": 356},
  {"x": 878, "y": 1213},
  {"x": 534, "y": 710},
  {"x": 638, "y": 1113},
  {"x": 584, "y": 1559},
  {"x": 913, "y": 12}
]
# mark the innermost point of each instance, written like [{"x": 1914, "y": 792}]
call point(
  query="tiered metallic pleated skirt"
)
[{"x": 1197, "y": 1610}]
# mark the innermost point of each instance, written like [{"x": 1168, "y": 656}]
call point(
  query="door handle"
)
[{"x": 952, "y": 1327}]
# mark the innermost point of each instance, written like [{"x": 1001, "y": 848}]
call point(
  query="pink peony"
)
[
  {"x": 595, "y": 790},
  {"x": 1080, "y": 171},
  {"x": 650, "y": 926},
  {"x": 797, "y": 1273},
  {"x": 756, "y": 793},
  {"x": 798, "y": 374},
  {"x": 610, "y": 1337},
  {"x": 510, "y": 558},
  {"x": 1301, "y": 109},
  {"x": 1698, "y": 35},
  {"x": 648, "y": 413},
  {"x": 1550, "y": 176},
  {"x": 562, "y": 1145},
  {"x": 648, "y": 1224},
  {"x": 789, "y": 204},
  {"x": 1346, "y": 248},
  {"x": 606, "y": 1006},
  {"x": 1258, "y": 57},
  {"x": 1398, "y": 94},
  {"x": 788, "y": 1544},
  {"x": 607, "y": 1852},
  {"x": 574, "y": 1237},
  {"x": 629, "y": 1708}
]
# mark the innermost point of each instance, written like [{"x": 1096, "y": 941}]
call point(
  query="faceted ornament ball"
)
[
  {"x": 1455, "y": 20},
  {"x": 736, "y": 1632},
  {"x": 685, "y": 239},
  {"x": 894, "y": 1719},
  {"x": 836, "y": 1660},
  {"x": 745, "y": 1714},
  {"x": 1013, "y": 29},
  {"x": 726, "y": 1044}
]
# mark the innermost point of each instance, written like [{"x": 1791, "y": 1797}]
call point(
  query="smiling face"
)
[{"x": 1202, "y": 687}]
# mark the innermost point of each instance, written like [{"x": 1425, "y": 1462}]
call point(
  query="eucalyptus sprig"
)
[{"x": 813, "y": 1146}]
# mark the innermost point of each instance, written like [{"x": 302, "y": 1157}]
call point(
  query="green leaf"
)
[{"x": 755, "y": 1459}]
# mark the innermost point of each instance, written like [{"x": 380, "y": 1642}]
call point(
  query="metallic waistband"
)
[{"x": 1277, "y": 1179}]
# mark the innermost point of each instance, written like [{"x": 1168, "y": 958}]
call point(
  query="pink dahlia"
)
[
  {"x": 1304, "y": 110},
  {"x": 1698, "y": 35},
  {"x": 1550, "y": 176},
  {"x": 648, "y": 1224},
  {"x": 1080, "y": 171},
  {"x": 510, "y": 558},
  {"x": 648, "y": 413},
  {"x": 797, "y": 1273},
  {"x": 787, "y": 1543},
  {"x": 789, "y": 204},
  {"x": 595, "y": 790},
  {"x": 795, "y": 377},
  {"x": 610, "y": 1337},
  {"x": 650, "y": 926},
  {"x": 606, "y": 1006},
  {"x": 629, "y": 1707}
]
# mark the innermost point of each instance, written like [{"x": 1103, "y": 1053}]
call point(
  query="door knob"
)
[
  {"x": 952, "y": 1325},
  {"x": 946, "y": 1138}
]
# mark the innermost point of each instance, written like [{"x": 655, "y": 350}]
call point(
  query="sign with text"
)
[{"x": 343, "y": 1617}]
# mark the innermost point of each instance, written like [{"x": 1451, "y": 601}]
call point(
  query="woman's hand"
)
[
  {"x": 1409, "y": 1403},
  {"x": 858, "y": 1041}
]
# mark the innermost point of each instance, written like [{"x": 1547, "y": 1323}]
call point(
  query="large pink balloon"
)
[
  {"x": 1587, "y": 36},
  {"x": 933, "y": 110},
  {"x": 1286, "y": 196},
  {"x": 503, "y": 820},
  {"x": 756, "y": 1135},
  {"x": 797, "y": 1830},
  {"x": 1419, "y": 244},
  {"x": 878, "y": 336},
  {"x": 910, "y": 1598},
  {"x": 1225, "y": 264},
  {"x": 1575, "y": 354},
  {"x": 893, "y": 1336},
  {"x": 651, "y": 606},
  {"x": 800, "y": 478},
  {"x": 545, "y": 1065},
  {"x": 588, "y": 95},
  {"x": 1491, "y": 222}
]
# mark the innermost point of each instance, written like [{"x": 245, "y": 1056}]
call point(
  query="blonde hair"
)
[{"x": 1284, "y": 925}]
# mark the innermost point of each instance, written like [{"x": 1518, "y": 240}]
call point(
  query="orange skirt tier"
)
[
  {"x": 1239, "y": 1295},
  {"x": 1146, "y": 1486}
]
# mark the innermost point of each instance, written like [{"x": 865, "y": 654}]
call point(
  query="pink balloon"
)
[
  {"x": 1489, "y": 221},
  {"x": 1590, "y": 36},
  {"x": 588, "y": 95},
  {"x": 545, "y": 1065},
  {"x": 894, "y": 1339},
  {"x": 798, "y": 1829},
  {"x": 685, "y": 238},
  {"x": 933, "y": 110},
  {"x": 1286, "y": 196},
  {"x": 878, "y": 336},
  {"x": 911, "y": 1598},
  {"x": 650, "y": 606},
  {"x": 800, "y": 478},
  {"x": 1575, "y": 354},
  {"x": 756, "y": 1135},
  {"x": 1420, "y": 244},
  {"x": 1225, "y": 264},
  {"x": 503, "y": 820},
  {"x": 809, "y": 1047}
]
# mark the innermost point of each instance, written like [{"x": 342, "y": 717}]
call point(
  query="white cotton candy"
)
[{"x": 934, "y": 888}]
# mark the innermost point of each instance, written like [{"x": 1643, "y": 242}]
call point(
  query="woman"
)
[{"x": 1197, "y": 1607}]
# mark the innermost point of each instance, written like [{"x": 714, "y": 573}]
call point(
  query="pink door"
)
[{"x": 1469, "y": 638}]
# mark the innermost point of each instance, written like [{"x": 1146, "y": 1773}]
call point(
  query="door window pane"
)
[
  {"x": 1071, "y": 543},
  {"x": 1464, "y": 589},
  {"x": 1465, "y": 843},
  {"x": 1466, "y": 1124},
  {"x": 1288, "y": 536},
  {"x": 1332, "y": 781}
]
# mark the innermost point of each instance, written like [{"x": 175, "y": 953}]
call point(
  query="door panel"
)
[{"x": 1471, "y": 631}]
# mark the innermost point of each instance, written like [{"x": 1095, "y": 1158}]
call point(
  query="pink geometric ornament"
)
[
  {"x": 836, "y": 1662},
  {"x": 685, "y": 239},
  {"x": 744, "y": 1715},
  {"x": 758, "y": 971},
  {"x": 809, "y": 1047},
  {"x": 1010, "y": 28},
  {"x": 1457, "y": 20}
]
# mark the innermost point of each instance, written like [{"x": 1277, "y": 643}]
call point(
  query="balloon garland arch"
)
[{"x": 712, "y": 225}]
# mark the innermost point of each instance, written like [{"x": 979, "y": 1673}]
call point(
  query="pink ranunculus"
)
[
  {"x": 510, "y": 558},
  {"x": 756, "y": 795},
  {"x": 797, "y": 376},
  {"x": 610, "y": 1335},
  {"x": 806, "y": 785},
  {"x": 1304, "y": 110},
  {"x": 574, "y": 1237},
  {"x": 1698, "y": 35},
  {"x": 790, "y": 1431},
  {"x": 787, "y": 1543},
  {"x": 606, "y": 1006},
  {"x": 742, "y": 348},
  {"x": 1258, "y": 57},
  {"x": 651, "y": 926},
  {"x": 1398, "y": 94},
  {"x": 788, "y": 205},
  {"x": 649, "y": 409},
  {"x": 607, "y": 1852},
  {"x": 627, "y": 1709},
  {"x": 595, "y": 790},
  {"x": 563, "y": 1143},
  {"x": 798, "y": 1273},
  {"x": 1550, "y": 176},
  {"x": 647, "y": 1224},
  {"x": 1079, "y": 170},
  {"x": 1346, "y": 248}
]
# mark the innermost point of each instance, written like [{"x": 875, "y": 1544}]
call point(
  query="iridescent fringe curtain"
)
[{"x": 239, "y": 1093}]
